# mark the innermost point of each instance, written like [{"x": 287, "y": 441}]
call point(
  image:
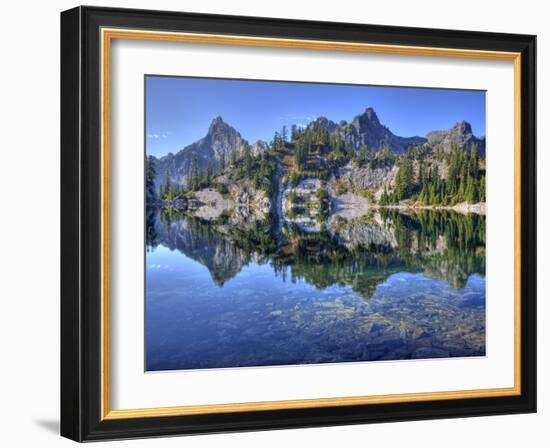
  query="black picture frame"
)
[{"x": 81, "y": 224}]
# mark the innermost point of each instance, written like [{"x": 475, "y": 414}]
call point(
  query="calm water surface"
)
[{"x": 385, "y": 287}]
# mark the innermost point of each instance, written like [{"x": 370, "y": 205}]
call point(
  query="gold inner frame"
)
[{"x": 107, "y": 35}]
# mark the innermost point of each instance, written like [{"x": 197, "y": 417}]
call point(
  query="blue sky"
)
[{"x": 179, "y": 110}]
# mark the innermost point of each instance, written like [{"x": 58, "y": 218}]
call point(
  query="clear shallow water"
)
[{"x": 360, "y": 291}]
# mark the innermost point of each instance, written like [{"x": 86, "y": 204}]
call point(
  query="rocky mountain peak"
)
[
  {"x": 371, "y": 115},
  {"x": 368, "y": 123},
  {"x": 324, "y": 122},
  {"x": 367, "y": 130},
  {"x": 367, "y": 119},
  {"x": 459, "y": 136},
  {"x": 218, "y": 125},
  {"x": 462, "y": 127},
  {"x": 222, "y": 138},
  {"x": 259, "y": 147},
  {"x": 220, "y": 142}
]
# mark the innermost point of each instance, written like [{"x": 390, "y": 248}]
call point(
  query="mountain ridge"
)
[{"x": 222, "y": 141}]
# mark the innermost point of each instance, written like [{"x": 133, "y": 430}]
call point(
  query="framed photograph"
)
[{"x": 275, "y": 224}]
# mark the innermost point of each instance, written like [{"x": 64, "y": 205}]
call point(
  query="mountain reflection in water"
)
[{"x": 386, "y": 286}]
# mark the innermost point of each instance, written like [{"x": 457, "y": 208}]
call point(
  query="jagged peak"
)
[
  {"x": 368, "y": 116},
  {"x": 463, "y": 127},
  {"x": 321, "y": 119},
  {"x": 259, "y": 146},
  {"x": 324, "y": 122},
  {"x": 370, "y": 113},
  {"x": 217, "y": 123},
  {"x": 459, "y": 128}
]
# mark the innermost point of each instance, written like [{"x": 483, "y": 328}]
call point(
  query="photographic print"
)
[
  {"x": 293, "y": 203},
  {"x": 297, "y": 223}
]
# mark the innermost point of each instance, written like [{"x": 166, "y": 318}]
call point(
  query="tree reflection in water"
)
[
  {"x": 360, "y": 253},
  {"x": 388, "y": 285}
]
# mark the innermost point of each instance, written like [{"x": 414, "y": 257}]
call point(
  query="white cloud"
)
[
  {"x": 157, "y": 136},
  {"x": 297, "y": 118}
]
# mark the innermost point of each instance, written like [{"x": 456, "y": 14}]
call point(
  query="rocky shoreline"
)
[
  {"x": 464, "y": 208},
  {"x": 247, "y": 204}
]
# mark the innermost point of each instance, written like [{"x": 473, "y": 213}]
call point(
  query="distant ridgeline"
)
[{"x": 362, "y": 158}]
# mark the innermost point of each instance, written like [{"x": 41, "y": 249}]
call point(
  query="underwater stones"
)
[
  {"x": 430, "y": 352},
  {"x": 377, "y": 327},
  {"x": 312, "y": 299}
]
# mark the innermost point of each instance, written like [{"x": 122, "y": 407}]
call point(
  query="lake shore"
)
[
  {"x": 463, "y": 207},
  {"x": 351, "y": 205},
  {"x": 209, "y": 204}
]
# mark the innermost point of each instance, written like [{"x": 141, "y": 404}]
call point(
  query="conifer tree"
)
[
  {"x": 221, "y": 165},
  {"x": 233, "y": 159},
  {"x": 247, "y": 160},
  {"x": 481, "y": 189},
  {"x": 363, "y": 156},
  {"x": 404, "y": 181},
  {"x": 299, "y": 154},
  {"x": 150, "y": 173},
  {"x": 165, "y": 186},
  {"x": 384, "y": 199},
  {"x": 470, "y": 194},
  {"x": 194, "y": 175},
  {"x": 209, "y": 172},
  {"x": 284, "y": 135},
  {"x": 323, "y": 136},
  {"x": 293, "y": 132},
  {"x": 474, "y": 161}
]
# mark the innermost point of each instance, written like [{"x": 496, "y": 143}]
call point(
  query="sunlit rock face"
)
[
  {"x": 250, "y": 205},
  {"x": 364, "y": 233},
  {"x": 366, "y": 130},
  {"x": 460, "y": 136},
  {"x": 220, "y": 142},
  {"x": 365, "y": 177},
  {"x": 241, "y": 205},
  {"x": 301, "y": 206}
]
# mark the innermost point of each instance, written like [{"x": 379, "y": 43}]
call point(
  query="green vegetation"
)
[
  {"x": 405, "y": 179},
  {"x": 465, "y": 181},
  {"x": 419, "y": 178},
  {"x": 320, "y": 259},
  {"x": 322, "y": 194},
  {"x": 259, "y": 169},
  {"x": 201, "y": 178},
  {"x": 442, "y": 244},
  {"x": 323, "y": 210},
  {"x": 384, "y": 158},
  {"x": 424, "y": 177},
  {"x": 316, "y": 153},
  {"x": 292, "y": 197},
  {"x": 151, "y": 202},
  {"x": 150, "y": 173},
  {"x": 464, "y": 237}
]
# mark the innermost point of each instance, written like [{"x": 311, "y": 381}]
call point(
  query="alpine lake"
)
[{"x": 388, "y": 285}]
